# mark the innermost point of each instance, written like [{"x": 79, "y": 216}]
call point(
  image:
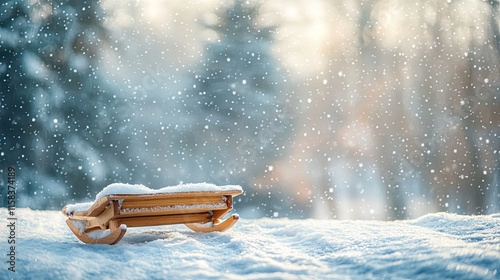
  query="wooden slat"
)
[
  {"x": 165, "y": 220},
  {"x": 139, "y": 202},
  {"x": 148, "y": 212}
]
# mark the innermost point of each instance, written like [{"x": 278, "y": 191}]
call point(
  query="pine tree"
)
[
  {"x": 56, "y": 112},
  {"x": 238, "y": 107}
]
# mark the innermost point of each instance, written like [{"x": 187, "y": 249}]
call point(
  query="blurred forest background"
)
[{"x": 347, "y": 109}]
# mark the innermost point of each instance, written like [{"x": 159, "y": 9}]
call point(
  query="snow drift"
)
[{"x": 433, "y": 246}]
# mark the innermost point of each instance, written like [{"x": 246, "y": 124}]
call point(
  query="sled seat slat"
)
[
  {"x": 164, "y": 201},
  {"x": 165, "y": 220}
]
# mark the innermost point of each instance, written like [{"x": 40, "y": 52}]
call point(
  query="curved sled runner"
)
[{"x": 106, "y": 221}]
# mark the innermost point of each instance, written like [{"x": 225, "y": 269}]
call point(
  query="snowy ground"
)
[{"x": 434, "y": 246}]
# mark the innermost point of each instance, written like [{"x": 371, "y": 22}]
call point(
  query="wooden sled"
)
[{"x": 106, "y": 221}]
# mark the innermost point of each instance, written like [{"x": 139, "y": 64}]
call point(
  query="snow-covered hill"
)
[{"x": 435, "y": 246}]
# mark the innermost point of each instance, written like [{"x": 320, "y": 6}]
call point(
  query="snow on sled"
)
[{"x": 201, "y": 207}]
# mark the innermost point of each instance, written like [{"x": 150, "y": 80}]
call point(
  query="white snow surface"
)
[
  {"x": 123, "y": 188},
  {"x": 435, "y": 246}
]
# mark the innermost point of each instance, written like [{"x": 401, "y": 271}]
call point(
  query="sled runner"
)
[{"x": 107, "y": 219}]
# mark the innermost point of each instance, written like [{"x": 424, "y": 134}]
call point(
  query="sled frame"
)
[{"x": 111, "y": 215}]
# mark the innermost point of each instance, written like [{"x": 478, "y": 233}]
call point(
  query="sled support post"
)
[{"x": 107, "y": 220}]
